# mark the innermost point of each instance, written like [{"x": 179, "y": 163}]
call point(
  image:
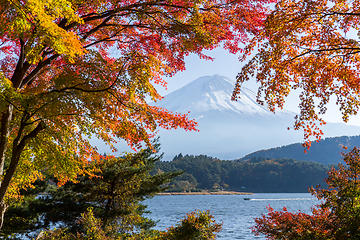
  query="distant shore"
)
[{"x": 205, "y": 193}]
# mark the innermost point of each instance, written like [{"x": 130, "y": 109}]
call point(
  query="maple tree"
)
[
  {"x": 75, "y": 69},
  {"x": 336, "y": 217},
  {"x": 311, "y": 46}
]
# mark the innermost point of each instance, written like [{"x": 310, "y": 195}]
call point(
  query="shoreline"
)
[{"x": 204, "y": 193}]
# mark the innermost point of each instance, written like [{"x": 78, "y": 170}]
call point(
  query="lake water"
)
[{"x": 236, "y": 213}]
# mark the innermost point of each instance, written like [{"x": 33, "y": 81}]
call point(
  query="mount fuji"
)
[{"x": 230, "y": 129}]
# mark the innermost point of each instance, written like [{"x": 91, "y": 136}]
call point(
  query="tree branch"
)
[{"x": 29, "y": 78}]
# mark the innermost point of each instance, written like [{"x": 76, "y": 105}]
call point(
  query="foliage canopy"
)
[
  {"x": 311, "y": 46},
  {"x": 74, "y": 69}
]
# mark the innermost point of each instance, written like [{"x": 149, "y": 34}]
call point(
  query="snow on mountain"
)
[
  {"x": 213, "y": 93},
  {"x": 229, "y": 129}
]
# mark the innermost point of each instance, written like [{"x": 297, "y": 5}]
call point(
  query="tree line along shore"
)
[{"x": 257, "y": 174}]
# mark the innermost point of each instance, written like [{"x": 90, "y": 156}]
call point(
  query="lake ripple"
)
[{"x": 236, "y": 213}]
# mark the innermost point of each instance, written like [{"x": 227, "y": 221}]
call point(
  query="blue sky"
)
[{"x": 228, "y": 65}]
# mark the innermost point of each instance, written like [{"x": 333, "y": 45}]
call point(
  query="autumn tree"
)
[
  {"x": 311, "y": 46},
  {"x": 71, "y": 70},
  {"x": 336, "y": 217},
  {"x": 115, "y": 196}
]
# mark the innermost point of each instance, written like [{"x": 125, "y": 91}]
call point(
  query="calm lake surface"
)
[{"x": 236, "y": 213}]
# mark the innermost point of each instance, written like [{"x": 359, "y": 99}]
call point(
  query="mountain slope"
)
[
  {"x": 325, "y": 151},
  {"x": 228, "y": 129},
  {"x": 213, "y": 94}
]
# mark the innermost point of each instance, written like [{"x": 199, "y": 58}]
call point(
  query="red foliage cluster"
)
[{"x": 337, "y": 217}]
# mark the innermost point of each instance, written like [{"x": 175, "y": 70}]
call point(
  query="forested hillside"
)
[
  {"x": 326, "y": 151},
  {"x": 253, "y": 175}
]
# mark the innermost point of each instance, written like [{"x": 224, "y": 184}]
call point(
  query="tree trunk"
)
[
  {"x": 3, "y": 208},
  {"x": 4, "y": 134},
  {"x": 17, "y": 149},
  {"x": 6, "y": 183}
]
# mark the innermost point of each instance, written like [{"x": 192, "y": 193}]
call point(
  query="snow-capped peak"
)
[
  {"x": 213, "y": 93},
  {"x": 228, "y": 129}
]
